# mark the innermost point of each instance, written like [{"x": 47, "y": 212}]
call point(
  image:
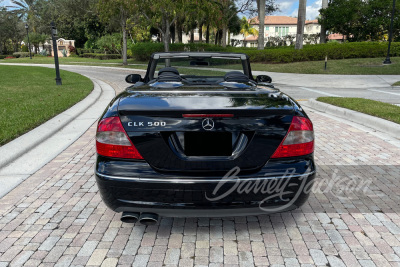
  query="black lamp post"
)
[
  {"x": 55, "y": 51},
  {"x": 387, "y": 60},
  {"x": 29, "y": 43}
]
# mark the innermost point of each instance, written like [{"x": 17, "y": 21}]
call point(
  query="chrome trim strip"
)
[{"x": 192, "y": 181}]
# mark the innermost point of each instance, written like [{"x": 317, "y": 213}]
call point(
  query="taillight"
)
[
  {"x": 299, "y": 140},
  {"x": 112, "y": 140}
]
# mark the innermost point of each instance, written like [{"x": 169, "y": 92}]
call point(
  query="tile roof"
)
[
  {"x": 336, "y": 36},
  {"x": 279, "y": 20}
]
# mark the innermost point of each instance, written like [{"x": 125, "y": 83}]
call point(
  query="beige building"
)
[
  {"x": 278, "y": 26},
  {"x": 275, "y": 26},
  {"x": 61, "y": 45}
]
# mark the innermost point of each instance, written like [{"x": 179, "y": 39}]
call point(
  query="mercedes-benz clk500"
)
[{"x": 192, "y": 138}]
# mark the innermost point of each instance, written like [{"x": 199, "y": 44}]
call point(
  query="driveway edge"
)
[{"x": 373, "y": 122}]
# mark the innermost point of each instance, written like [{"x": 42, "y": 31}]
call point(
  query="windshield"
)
[{"x": 200, "y": 67}]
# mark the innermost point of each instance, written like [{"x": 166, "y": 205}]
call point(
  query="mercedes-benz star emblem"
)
[{"x": 208, "y": 124}]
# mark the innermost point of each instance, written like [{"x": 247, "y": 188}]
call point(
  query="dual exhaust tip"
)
[{"x": 144, "y": 218}]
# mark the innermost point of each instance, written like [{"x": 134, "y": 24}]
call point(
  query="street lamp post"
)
[
  {"x": 387, "y": 60},
  {"x": 55, "y": 52},
  {"x": 29, "y": 43}
]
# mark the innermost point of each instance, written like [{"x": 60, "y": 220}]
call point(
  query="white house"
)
[
  {"x": 275, "y": 26},
  {"x": 278, "y": 26}
]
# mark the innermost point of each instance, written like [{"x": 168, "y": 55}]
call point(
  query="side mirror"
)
[
  {"x": 133, "y": 78},
  {"x": 263, "y": 79}
]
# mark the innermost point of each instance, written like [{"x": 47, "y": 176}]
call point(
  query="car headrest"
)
[
  {"x": 236, "y": 76},
  {"x": 168, "y": 69},
  {"x": 169, "y": 74}
]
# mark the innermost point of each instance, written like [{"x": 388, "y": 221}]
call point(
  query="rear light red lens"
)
[
  {"x": 112, "y": 140},
  {"x": 299, "y": 140}
]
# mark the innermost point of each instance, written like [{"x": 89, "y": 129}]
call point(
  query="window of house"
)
[
  {"x": 267, "y": 28},
  {"x": 282, "y": 31}
]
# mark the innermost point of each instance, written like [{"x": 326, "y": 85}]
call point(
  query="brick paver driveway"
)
[{"x": 56, "y": 217}]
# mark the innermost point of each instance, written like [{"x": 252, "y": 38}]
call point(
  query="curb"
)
[
  {"x": 378, "y": 124},
  {"x": 19, "y": 146}
]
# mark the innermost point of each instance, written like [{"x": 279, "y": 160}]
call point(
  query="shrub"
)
[
  {"x": 101, "y": 56},
  {"x": 24, "y": 48},
  {"x": 110, "y": 43},
  {"x": 73, "y": 55},
  {"x": 81, "y": 51},
  {"x": 21, "y": 54},
  {"x": 9, "y": 57},
  {"x": 71, "y": 49},
  {"x": 43, "y": 52},
  {"x": 142, "y": 51}
]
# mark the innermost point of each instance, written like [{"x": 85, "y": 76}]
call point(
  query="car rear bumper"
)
[{"x": 187, "y": 196}]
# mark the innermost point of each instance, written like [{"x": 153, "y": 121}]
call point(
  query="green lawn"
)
[
  {"x": 396, "y": 84},
  {"x": 29, "y": 96},
  {"x": 371, "y": 107}
]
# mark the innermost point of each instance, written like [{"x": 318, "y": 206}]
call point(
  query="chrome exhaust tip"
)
[
  {"x": 130, "y": 217},
  {"x": 148, "y": 218}
]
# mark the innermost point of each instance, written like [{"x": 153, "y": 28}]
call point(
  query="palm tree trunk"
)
[
  {"x": 166, "y": 36},
  {"x": 300, "y": 23},
  {"x": 177, "y": 29},
  {"x": 261, "y": 18},
  {"x": 208, "y": 34},
  {"x": 322, "y": 39},
  {"x": 124, "y": 42},
  {"x": 201, "y": 33},
  {"x": 192, "y": 36},
  {"x": 224, "y": 32}
]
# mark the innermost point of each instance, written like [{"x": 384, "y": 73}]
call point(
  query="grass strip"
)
[
  {"x": 371, "y": 107},
  {"x": 29, "y": 97}
]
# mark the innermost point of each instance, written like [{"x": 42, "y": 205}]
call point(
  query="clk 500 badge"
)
[{"x": 148, "y": 124}]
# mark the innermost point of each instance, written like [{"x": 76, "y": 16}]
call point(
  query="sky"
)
[
  {"x": 290, "y": 8},
  {"x": 287, "y": 7}
]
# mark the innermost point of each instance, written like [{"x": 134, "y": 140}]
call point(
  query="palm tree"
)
[
  {"x": 25, "y": 9},
  {"x": 246, "y": 29}
]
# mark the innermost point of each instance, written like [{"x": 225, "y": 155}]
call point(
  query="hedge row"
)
[
  {"x": 101, "y": 56},
  {"x": 20, "y": 54},
  {"x": 142, "y": 51},
  {"x": 318, "y": 52},
  {"x": 81, "y": 51}
]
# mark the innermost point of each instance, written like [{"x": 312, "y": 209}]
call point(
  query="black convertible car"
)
[{"x": 191, "y": 139}]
